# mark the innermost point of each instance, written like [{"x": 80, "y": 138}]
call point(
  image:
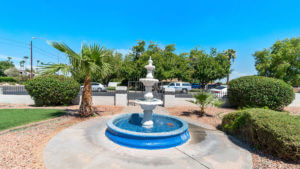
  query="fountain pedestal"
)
[
  {"x": 147, "y": 120},
  {"x": 148, "y": 103},
  {"x": 148, "y": 107}
]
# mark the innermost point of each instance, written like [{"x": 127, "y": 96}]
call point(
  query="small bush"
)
[
  {"x": 52, "y": 90},
  {"x": 276, "y": 133},
  {"x": 259, "y": 91},
  {"x": 111, "y": 88},
  {"x": 7, "y": 79}
]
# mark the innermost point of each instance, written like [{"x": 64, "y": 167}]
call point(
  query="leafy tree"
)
[
  {"x": 168, "y": 64},
  {"x": 87, "y": 63},
  {"x": 138, "y": 49},
  {"x": 231, "y": 55},
  {"x": 12, "y": 72},
  {"x": 208, "y": 67},
  {"x": 281, "y": 61},
  {"x": 114, "y": 59},
  {"x": 5, "y": 65}
]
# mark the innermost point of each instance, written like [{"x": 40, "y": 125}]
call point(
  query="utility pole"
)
[{"x": 31, "y": 62}]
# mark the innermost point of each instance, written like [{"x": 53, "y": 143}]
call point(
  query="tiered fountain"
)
[
  {"x": 149, "y": 103},
  {"x": 147, "y": 130}
]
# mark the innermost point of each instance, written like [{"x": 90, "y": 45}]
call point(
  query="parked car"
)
[
  {"x": 219, "y": 91},
  {"x": 179, "y": 86},
  {"x": 196, "y": 86},
  {"x": 97, "y": 87},
  {"x": 212, "y": 86}
]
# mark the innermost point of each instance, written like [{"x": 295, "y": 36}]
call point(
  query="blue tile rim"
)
[
  {"x": 116, "y": 129},
  {"x": 140, "y": 140}
]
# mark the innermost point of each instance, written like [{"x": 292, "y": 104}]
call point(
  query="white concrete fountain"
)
[{"x": 148, "y": 103}]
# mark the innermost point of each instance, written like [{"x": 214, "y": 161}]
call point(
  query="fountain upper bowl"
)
[
  {"x": 152, "y": 101},
  {"x": 148, "y": 81}
]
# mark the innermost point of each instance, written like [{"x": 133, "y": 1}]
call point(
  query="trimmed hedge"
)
[
  {"x": 259, "y": 91},
  {"x": 276, "y": 133},
  {"x": 52, "y": 90},
  {"x": 7, "y": 79},
  {"x": 111, "y": 88}
]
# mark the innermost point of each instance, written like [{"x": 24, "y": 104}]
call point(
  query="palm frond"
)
[
  {"x": 54, "y": 68},
  {"x": 65, "y": 49}
]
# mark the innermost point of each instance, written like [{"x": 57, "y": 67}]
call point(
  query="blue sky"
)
[{"x": 245, "y": 26}]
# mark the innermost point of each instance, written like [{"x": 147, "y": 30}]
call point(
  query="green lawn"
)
[{"x": 16, "y": 117}]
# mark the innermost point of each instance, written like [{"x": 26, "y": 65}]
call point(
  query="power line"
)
[
  {"x": 16, "y": 45},
  {"x": 42, "y": 50},
  {"x": 15, "y": 41},
  {"x": 22, "y": 45}
]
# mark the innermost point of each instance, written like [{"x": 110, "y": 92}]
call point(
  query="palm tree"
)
[
  {"x": 204, "y": 99},
  {"x": 25, "y": 62},
  {"x": 37, "y": 66},
  {"x": 22, "y": 66},
  {"x": 231, "y": 55},
  {"x": 9, "y": 59},
  {"x": 86, "y": 63}
]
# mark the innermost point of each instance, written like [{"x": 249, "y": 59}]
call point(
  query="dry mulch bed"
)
[
  {"x": 23, "y": 148},
  {"x": 213, "y": 117}
]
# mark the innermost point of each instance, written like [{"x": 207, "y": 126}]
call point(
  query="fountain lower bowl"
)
[{"x": 167, "y": 131}]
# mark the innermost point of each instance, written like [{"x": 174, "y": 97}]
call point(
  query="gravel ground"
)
[
  {"x": 23, "y": 148},
  {"x": 213, "y": 117},
  {"x": 293, "y": 110}
]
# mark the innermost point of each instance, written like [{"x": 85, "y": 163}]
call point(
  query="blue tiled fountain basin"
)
[{"x": 167, "y": 131}]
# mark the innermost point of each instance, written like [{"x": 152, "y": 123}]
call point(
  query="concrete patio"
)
[{"x": 86, "y": 146}]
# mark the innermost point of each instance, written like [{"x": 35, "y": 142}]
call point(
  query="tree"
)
[
  {"x": 87, "y": 63},
  {"x": 22, "y": 62},
  {"x": 114, "y": 59},
  {"x": 5, "y": 65},
  {"x": 231, "y": 55},
  {"x": 281, "y": 61},
  {"x": 208, "y": 67},
  {"x": 37, "y": 66},
  {"x": 138, "y": 49},
  {"x": 12, "y": 72},
  {"x": 168, "y": 65},
  {"x": 9, "y": 59},
  {"x": 25, "y": 62}
]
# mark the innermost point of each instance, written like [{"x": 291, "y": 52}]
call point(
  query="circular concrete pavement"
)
[{"x": 85, "y": 146}]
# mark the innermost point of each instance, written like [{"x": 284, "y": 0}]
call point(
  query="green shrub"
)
[
  {"x": 52, "y": 90},
  {"x": 111, "y": 88},
  {"x": 259, "y": 91},
  {"x": 276, "y": 133},
  {"x": 7, "y": 79}
]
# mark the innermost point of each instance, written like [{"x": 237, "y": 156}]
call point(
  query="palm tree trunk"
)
[
  {"x": 86, "y": 108},
  {"x": 227, "y": 79}
]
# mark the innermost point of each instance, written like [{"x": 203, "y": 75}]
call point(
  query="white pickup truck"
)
[{"x": 183, "y": 87}]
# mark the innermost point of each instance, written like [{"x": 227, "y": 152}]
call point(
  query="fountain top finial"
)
[{"x": 150, "y": 61}]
